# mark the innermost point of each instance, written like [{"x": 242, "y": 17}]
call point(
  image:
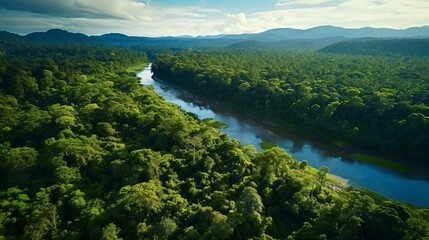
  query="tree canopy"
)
[
  {"x": 376, "y": 102},
  {"x": 88, "y": 153}
]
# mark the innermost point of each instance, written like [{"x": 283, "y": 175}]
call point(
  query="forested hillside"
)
[
  {"x": 311, "y": 39},
  {"x": 400, "y": 47},
  {"x": 88, "y": 153},
  {"x": 376, "y": 102}
]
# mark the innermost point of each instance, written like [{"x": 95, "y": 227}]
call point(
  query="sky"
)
[{"x": 205, "y": 17}]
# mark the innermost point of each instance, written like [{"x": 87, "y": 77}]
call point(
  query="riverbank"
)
[
  {"x": 348, "y": 152},
  {"x": 253, "y": 130},
  {"x": 339, "y": 181},
  {"x": 137, "y": 68}
]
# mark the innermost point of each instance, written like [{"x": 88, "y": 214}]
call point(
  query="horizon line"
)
[{"x": 214, "y": 35}]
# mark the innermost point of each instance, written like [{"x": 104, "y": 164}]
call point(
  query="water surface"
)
[{"x": 407, "y": 188}]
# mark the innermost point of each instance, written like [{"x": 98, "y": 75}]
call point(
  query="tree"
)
[
  {"x": 323, "y": 171},
  {"x": 20, "y": 157},
  {"x": 303, "y": 164},
  {"x": 14, "y": 205},
  {"x": 249, "y": 201},
  {"x": 220, "y": 228},
  {"x": 46, "y": 81},
  {"x": 43, "y": 220},
  {"x": 104, "y": 129},
  {"x": 64, "y": 174},
  {"x": 63, "y": 115},
  {"x": 22, "y": 83},
  {"x": 143, "y": 199},
  {"x": 110, "y": 232},
  {"x": 165, "y": 228},
  {"x": 272, "y": 164},
  {"x": 384, "y": 222},
  {"x": 190, "y": 233},
  {"x": 77, "y": 152}
]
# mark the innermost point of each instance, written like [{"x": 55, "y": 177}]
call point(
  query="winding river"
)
[{"x": 406, "y": 188}]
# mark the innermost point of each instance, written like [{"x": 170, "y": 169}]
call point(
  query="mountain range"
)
[{"x": 288, "y": 38}]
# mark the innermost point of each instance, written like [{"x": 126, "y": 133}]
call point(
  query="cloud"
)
[
  {"x": 349, "y": 13},
  {"x": 233, "y": 23},
  {"x": 101, "y": 16},
  {"x": 121, "y": 9},
  {"x": 151, "y": 19},
  {"x": 291, "y": 4}
]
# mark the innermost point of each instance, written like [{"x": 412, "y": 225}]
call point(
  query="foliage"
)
[
  {"x": 267, "y": 145},
  {"x": 404, "y": 47},
  {"x": 88, "y": 153},
  {"x": 213, "y": 123},
  {"x": 376, "y": 102}
]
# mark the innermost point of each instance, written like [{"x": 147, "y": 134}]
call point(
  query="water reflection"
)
[{"x": 318, "y": 154}]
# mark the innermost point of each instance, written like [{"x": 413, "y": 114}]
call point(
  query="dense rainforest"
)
[
  {"x": 86, "y": 152},
  {"x": 376, "y": 102},
  {"x": 399, "y": 47}
]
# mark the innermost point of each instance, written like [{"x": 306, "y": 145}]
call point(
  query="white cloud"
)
[
  {"x": 100, "y": 16},
  {"x": 350, "y": 13},
  {"x": 122, "y": 9},
  {"x": 135, "y": 18},
  {"x": 302, "y": 3},
  {"x": 233, "y": 23}
]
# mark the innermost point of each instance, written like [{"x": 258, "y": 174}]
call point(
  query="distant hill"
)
[
  {"x": 292, "y": 44},
  {"x": 331, "y": 31},
  {"x": 58, "y": 36},
  {"x": 286, "y": 38},
  {"x": 120, "y": 39},
  {"x": 9, "y": 37},
  {"x": 404, "y": 47},
  {"x": 248, "y": 44},
  {"x": 9, "y": 41}
]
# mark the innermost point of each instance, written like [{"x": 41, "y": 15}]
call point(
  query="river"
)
[{"x": 406, "y": 188}]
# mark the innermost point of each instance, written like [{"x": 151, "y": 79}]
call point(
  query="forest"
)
[
  {"x": 376, "y": 102},
  {"x": 398, "y": 47},
  {"x": 86, "y": 152}
]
